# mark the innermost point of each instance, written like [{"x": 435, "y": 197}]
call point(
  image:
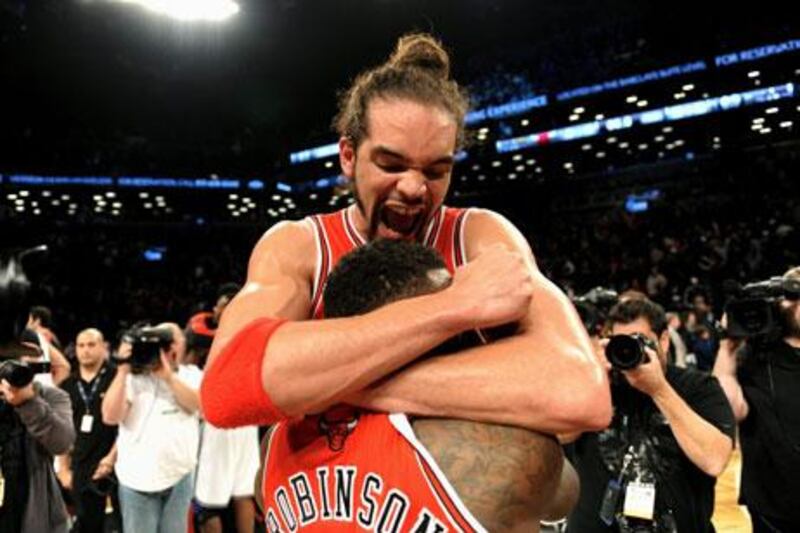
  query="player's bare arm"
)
[
  {"x": 311, "y": 365},
  {"x": 545, "y": 378},
  {"x": 506, "y": 476}
]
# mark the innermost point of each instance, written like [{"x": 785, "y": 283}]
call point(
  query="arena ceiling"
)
[{"x": 74, "y": 70}]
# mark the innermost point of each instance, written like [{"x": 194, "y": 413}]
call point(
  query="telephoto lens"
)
[{"x": 626, "y": 352}]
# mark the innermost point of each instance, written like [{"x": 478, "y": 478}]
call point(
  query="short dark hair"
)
[
  {"x": 378, "y": 273},
  {"x": 632, "y": 309},
  {"x": 43, "y": 314}
]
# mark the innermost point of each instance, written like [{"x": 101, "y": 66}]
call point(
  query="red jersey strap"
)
[
  {"x": 232, "y": 393},
  {"x": 336, "y": 235},
  {"x": 449, "y": 238}
]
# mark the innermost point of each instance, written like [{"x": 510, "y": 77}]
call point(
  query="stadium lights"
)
[{"x": 190, "y": 10}]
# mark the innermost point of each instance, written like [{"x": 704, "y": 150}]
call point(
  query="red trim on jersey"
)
[
  {"x": 352, "y": 232},
  {"x": 434, "y": 226},
  {"x": 325, "y": 262},
  {"x": 457, "y": 248},
  {"x": 232, "y": 393}
]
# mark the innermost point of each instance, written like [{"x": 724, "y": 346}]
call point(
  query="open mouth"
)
[{"x": 404, "y": 223}]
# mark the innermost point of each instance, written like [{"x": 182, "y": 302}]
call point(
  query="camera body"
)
[
  {"x": 593, "y": 307},
  {"x": 753, "y": 312},
  {"x": 20, "y": 374},
  {"x": 147, "y": 344}
]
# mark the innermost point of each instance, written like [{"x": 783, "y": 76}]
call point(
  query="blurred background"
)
[{"x": 640, "y": 145}]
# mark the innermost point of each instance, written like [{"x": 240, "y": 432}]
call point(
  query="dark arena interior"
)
[{"x": 647, "y": 148}]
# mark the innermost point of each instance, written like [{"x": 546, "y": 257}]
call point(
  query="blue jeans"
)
[{"x": 165, "y": 511}]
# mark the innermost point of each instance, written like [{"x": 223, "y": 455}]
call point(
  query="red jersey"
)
[{"x": 349, "y": 470}]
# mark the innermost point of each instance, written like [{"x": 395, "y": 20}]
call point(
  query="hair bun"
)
[{"x": 423, "y": 51}]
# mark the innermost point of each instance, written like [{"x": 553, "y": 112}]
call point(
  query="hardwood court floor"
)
[{"x": 729, "y": 517}]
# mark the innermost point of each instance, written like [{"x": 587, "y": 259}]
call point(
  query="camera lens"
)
[{"x": 625, "y": 352}]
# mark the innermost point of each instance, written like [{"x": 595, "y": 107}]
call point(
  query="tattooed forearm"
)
[{"x": 506, "y": 476}]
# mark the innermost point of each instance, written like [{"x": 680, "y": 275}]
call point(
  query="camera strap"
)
[{"x": 611, "y": 496}]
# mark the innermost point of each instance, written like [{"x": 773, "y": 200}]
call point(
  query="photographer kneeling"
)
[
  {"x": 762, "y": 387},
  {"x": 654, "y": 468},
  {"x": 155, "y": 402}
]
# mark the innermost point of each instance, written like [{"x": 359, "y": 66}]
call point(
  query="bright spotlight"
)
[{"x": 190, "y": 10}]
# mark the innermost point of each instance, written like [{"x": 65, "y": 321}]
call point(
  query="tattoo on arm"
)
[{"x": 506, "y": 476}]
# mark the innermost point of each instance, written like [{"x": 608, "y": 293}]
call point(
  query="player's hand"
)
[
  {"x": 494, "y": 289},
  {"x": 16, "y": 396}
]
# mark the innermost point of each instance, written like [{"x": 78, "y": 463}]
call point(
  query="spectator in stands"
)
[
  {"x": 40, "y": 320},
  {"x": 703, "y": 337}
]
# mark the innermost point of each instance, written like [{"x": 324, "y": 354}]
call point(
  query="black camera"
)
[
  {"x": 20, "y": 374},
  {"x": 753, "y": 311},
  {"x": 626, "y": 352},
  {"x": 593, "y": 307},
  {"x": 147, "y": 344}
]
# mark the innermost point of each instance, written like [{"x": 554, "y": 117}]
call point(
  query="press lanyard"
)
[{"x": 87, "y": 399}]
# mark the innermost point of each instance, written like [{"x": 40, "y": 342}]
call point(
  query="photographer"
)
[
  {"x": 35, "y": 423},
  {"x": 154, "y": 400},
  {"x": 654, "y": 468},
  {"x": 762, "y": 387}
]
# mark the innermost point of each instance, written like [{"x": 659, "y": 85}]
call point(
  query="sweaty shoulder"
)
[
  {"x": 484, "y": 228},
  {"x": 286, "y": 247}
]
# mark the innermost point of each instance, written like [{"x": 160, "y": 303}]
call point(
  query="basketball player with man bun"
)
[{"x": 276, "y": 357}]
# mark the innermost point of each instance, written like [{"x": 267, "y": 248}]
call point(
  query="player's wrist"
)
[{"x": 452, "y": 312}]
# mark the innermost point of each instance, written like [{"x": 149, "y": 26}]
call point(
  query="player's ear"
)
[{"x": 347, "y": 157}]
